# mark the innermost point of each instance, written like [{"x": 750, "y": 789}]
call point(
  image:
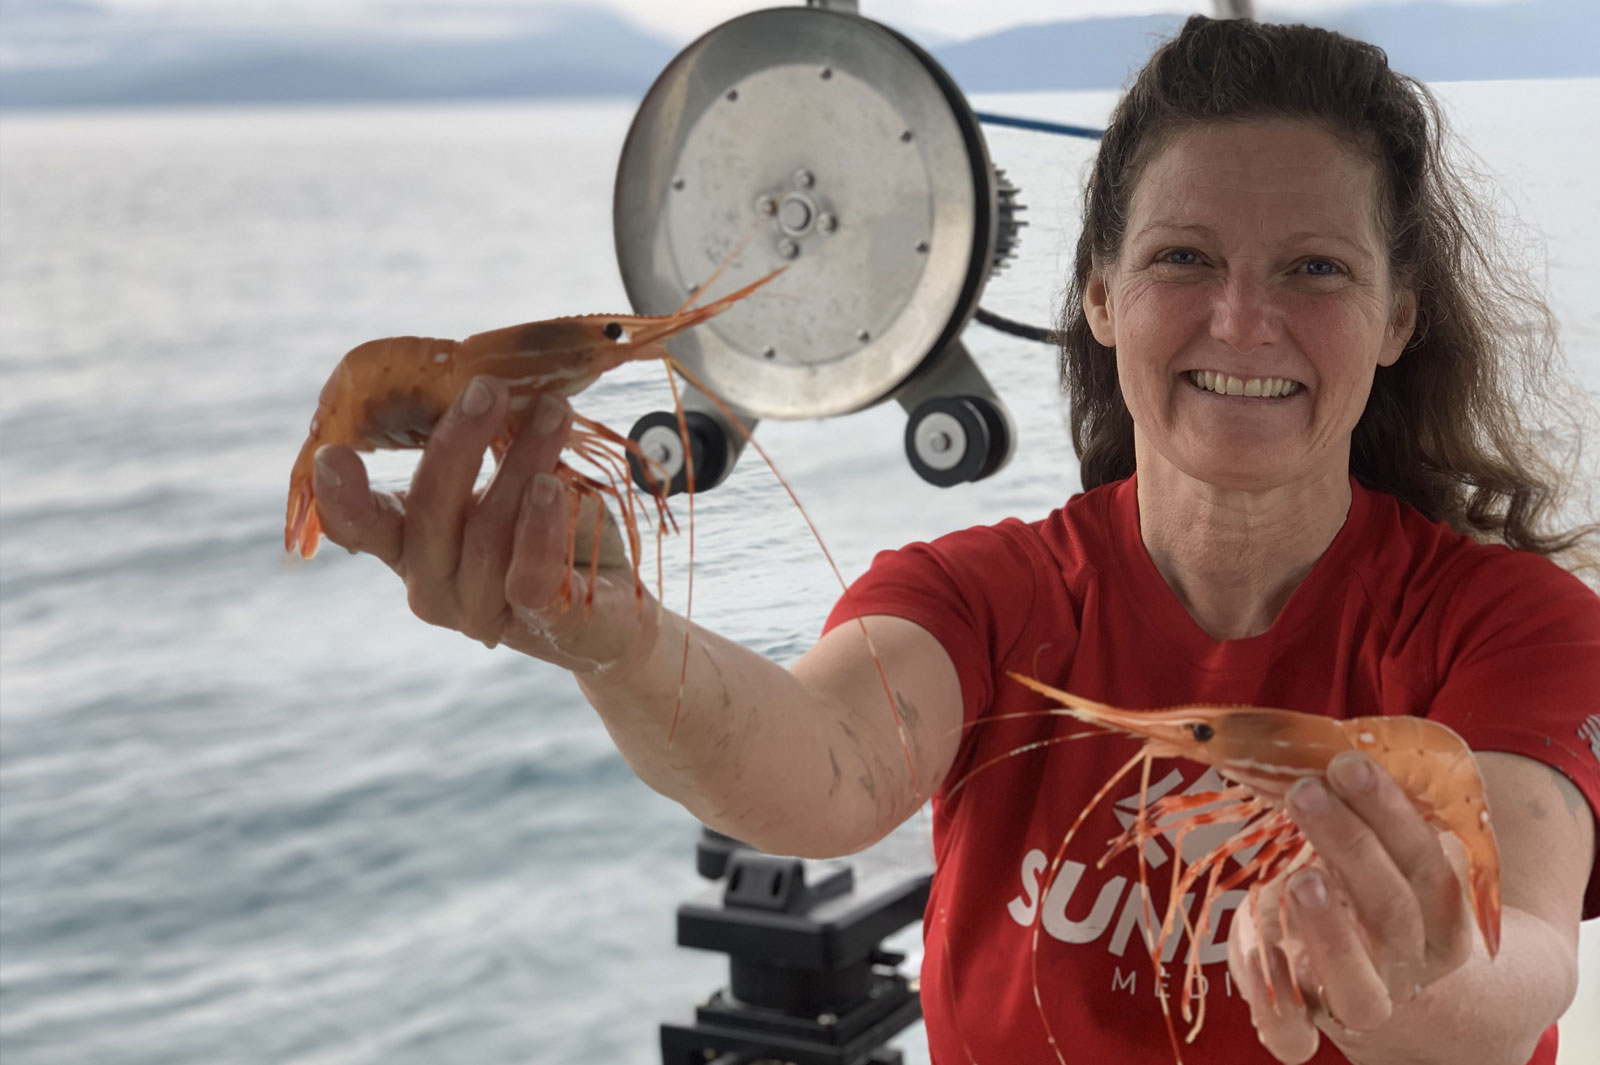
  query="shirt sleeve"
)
[
  {"x": 1521, "y": 672},
  {"x": 969, "y": 589}
]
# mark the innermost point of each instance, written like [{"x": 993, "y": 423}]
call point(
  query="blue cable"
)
[{"x": 1039, "y": 125}]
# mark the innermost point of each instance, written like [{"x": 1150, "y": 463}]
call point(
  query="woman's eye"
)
[
  {"x": 1180, "y": 257},
  {"x": 1320, "y": 267}
]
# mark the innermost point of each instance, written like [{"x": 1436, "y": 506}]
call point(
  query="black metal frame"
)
[{"x": 809, "y": 982}]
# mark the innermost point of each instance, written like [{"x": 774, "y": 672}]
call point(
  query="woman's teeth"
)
[{"x": 1222, "y": 384}]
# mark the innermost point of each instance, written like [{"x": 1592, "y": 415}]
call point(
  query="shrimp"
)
[
  {"x": 1262, "y": 752},
  {"x": 391, "y": 393}
]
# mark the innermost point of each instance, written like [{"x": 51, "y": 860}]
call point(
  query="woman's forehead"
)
[{"x": 1276, "y": 176}]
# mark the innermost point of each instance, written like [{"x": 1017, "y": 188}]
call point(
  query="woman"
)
[{"x": 1283, "y": 372}]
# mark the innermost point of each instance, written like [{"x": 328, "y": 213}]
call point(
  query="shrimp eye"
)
[
  {"x": 1202, "y": 732},
  {"x": 613, "y": 330}
]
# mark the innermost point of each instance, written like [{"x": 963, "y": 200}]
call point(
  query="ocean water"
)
[{"x": 253, "y": 812}]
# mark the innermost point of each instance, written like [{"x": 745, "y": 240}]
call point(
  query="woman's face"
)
[{"x": 1251, "y": 304}]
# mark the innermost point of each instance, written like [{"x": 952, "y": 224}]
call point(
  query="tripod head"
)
[{"x": 809, "y": 982}]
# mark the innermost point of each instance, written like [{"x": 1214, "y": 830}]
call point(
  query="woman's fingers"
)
[
  {"x": 1284, "y": 1027},
  {"x": 1407, "y": 918},
  {"x": 441, "y": 491},
  {"x": 1348, "y": 982},
  {"x": 488, "y": 539},
  {"x": 533, "y": 584},
  {"x": 492, "y": 565},
  {"x": 1414, "y": 849},
  {"x": 353, "y": 516}
]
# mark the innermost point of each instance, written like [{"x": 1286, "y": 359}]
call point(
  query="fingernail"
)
[
  {"x": 1309, "y": 796},
  {"x": 476, "y": 398},
  {"x": 326, "y": 471},
  {"x": 543, "y": 488},
  {"x": 547, "y": 414},
  {"x": 1352, "y": 772},
  {"x": 1310, "y": 890}
]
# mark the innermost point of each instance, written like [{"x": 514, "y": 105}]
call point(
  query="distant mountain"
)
[
  {"x": 1435, "y": 41},
  {"x": 56, "y": 53},
  {"x": 1094, "y": 53},
  {"x": 1431, "y": 41}
]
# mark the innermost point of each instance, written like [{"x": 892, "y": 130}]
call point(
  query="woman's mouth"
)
[{"x": 1227, "y": 385}]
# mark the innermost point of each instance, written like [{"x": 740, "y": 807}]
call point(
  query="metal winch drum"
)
[{"x": 816, "y": 140}]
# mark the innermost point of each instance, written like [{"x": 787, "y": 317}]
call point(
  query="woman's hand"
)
[
  {"x": 1363, "y": 931},
  {"x": 492, "y": 564}
]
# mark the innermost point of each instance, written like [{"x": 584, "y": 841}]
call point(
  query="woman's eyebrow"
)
[
  {"x": 1168, "y": 225},
  {"x": 1171, "y": 225},
  {"x": 1319, "y": 235}
]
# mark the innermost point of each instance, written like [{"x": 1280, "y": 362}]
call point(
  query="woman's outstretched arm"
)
[{"x": 808, "y": 761}]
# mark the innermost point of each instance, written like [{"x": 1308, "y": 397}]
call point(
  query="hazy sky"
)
[{"x": 683, "y": 20}]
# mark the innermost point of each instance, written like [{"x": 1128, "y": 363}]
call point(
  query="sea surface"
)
[{"x": 251, "y": 811}]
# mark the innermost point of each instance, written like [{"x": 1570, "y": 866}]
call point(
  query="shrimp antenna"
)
[{"x": 704, "y": 287}]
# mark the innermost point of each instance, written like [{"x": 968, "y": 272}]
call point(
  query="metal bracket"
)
[{"x": 951, "y": 372}]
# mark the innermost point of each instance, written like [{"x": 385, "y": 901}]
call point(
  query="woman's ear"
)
[
  {"x": 1402, "y": 326},
  {"x": 1098, "y": 311}
]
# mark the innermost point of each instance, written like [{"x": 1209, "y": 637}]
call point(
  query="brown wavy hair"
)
[{"x": 1449, "y": 428}]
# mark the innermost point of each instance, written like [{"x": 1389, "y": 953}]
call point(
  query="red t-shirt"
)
[{"x": 1401, "y": 615}]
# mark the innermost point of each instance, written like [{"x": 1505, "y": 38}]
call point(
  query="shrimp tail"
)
[
  {"x": 302, "y": 530},
  {"x": 1483, "y": 881}
]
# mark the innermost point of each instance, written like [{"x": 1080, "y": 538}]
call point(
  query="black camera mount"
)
[{"x": 809, "y": 982}]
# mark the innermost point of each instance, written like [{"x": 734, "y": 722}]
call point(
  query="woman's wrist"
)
[{"x": 1488, "y": 1012}]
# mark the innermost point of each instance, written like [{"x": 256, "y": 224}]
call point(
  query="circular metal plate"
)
[{"x": 828, "y": 144}]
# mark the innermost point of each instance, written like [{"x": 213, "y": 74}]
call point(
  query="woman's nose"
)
[{"x": 1243, "y": 315}]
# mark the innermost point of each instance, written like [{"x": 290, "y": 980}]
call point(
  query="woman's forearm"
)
[
  {"x": 1488, "y": 1012},
  {"x": 754, "y": 753}
]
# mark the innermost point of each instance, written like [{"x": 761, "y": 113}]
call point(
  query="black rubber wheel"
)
[
  {"x": 708, "y": 450},
  {"x": 999, "y": 435},
  {"x": 948, "y": 441}
]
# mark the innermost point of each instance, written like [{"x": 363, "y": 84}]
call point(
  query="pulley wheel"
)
[
  {"x": 949, "y": 442},
  {"x": 827, "y": 144},
  {"x": 658, "y": 436}
]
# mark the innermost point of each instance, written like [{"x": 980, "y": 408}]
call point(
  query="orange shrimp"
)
[
  {"x": 391, "y": 393},
  {"x": 1263, "y": 752}
]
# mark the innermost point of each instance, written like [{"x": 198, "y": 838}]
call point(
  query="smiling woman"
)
[{"x": 1302, "y": 386}]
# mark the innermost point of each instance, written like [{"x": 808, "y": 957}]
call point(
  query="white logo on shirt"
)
[
  {"x": 1118, "y": 908},
  {"x": 1590, "y": 730}
]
